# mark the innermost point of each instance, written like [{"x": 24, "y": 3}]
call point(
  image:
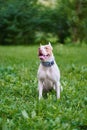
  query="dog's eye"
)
[{"x": 46, "y": 48}]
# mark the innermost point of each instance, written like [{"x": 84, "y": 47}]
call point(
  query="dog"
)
[{"x": 48, "y": 72}]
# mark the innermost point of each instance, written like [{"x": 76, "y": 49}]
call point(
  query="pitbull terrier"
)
[{"x": 48, "y": 72}]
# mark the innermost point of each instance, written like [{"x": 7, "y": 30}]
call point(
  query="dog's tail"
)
[{"x": 61, "y": 88}]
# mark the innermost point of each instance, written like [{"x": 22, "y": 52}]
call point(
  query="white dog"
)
[{"x": 48, "y": 72}]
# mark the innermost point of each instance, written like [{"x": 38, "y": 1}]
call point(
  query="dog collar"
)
[{"x": 47, "y": 63}]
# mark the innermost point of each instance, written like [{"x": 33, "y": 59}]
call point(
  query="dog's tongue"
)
[{"x": 42, "y": 57}]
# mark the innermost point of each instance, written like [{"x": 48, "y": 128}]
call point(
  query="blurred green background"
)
[{"x": 37, "y": 21}]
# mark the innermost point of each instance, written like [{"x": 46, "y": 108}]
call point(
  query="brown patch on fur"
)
[{"x": 48, "y": 49}]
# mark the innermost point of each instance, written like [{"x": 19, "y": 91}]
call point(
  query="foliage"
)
[
  {"x": 20, "y": 108},
  {"x": 23, "y": 22},
  {"x": 76, "y": 17},
  {"x": 54, "y": 21},
  {"x": 17, "y": 22}
]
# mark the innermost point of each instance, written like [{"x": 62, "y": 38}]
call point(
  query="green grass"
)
[{"x": 20, "y": 108}]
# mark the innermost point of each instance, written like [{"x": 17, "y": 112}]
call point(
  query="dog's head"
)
[{"x": 45, "y": 52}]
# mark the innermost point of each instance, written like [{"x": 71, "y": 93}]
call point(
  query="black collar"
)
[{"x": 47, "y": 63}]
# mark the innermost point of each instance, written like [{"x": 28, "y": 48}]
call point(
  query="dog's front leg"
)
[
  {"x": 40, "y": 87},
  {"x": 57, "y": 87}
]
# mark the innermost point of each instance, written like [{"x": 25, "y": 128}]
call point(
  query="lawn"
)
[{"x": 20, "y": 108}]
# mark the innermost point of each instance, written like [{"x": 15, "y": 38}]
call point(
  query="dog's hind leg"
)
[
  {"x": 61, "y": 88},
  {"x": 58, "y": 87}
]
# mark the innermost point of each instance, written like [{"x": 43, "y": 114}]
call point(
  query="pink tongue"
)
[{"x": 42, "y": 57}]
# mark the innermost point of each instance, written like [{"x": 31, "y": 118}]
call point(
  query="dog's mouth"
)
[{"x": 42, "y": 56}]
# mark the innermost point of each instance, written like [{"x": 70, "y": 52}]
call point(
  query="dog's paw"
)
[{"x": 61, "y": 88}]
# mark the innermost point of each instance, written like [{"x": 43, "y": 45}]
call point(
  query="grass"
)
[{"x": 20, "y": 108}]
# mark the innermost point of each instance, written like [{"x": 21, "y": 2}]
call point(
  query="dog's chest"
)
[
  {"x": 47, "y": 80},
  {"x": 47, "y": 74}
]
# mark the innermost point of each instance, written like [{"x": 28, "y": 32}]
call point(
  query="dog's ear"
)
[{"x": 50, "y": 45}]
